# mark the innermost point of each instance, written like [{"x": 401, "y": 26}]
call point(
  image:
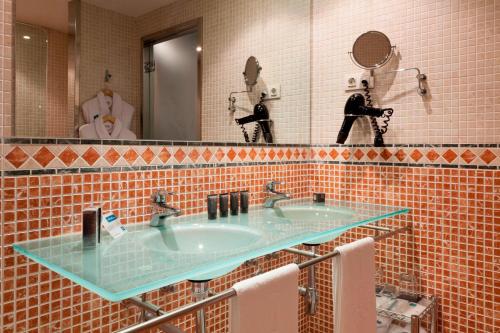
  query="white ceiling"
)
[
  {"x": 132, "y": 8},
  {"x": 51, "y": 14}
]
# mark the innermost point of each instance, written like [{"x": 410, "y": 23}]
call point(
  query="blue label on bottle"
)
[{"x": 110, "y": 218}]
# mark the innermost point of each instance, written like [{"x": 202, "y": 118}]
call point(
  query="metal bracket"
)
[{"x": 421, "y": 78}]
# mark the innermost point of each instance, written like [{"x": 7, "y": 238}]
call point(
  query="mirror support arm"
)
[
  {"x": 420, "y": 77},
  {"x": 232, "y": 99}
]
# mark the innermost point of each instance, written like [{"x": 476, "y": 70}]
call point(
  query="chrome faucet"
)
[
  {"x": 275, "y": 195},
  {"x": 161, "y": 210}
]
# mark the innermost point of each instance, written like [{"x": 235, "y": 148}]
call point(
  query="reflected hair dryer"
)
[
  {"x": 355, "y": 107},
  {"x": 261, "y": 116}
]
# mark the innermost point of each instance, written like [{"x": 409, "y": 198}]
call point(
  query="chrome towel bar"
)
[{"x": 227, "y": 294}]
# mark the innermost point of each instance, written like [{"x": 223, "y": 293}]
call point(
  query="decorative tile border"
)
[
  {"x": 30, "y": 156},
  {"x": 26, "y": 155},
  {"x": 463, "y": 156}
]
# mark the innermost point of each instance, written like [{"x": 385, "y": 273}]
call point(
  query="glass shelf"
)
[{"x": 121, "y": 268}]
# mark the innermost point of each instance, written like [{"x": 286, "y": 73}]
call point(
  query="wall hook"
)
[{"x": 107, "y": 76}]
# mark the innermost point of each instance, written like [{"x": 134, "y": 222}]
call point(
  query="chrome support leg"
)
[
  {"x": 143, "y": 310},
  {"x": 415, "y": 324},
  {"x": 200, "y": 292},
  {"x": 150, "y": 311},
  {"x": 434, "y": 317},
  {"x": 311, "y": 292}
]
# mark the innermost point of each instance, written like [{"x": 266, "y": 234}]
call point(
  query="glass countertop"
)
[{"x": 191, "y": 247}]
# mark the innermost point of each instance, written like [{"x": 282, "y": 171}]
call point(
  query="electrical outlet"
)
[
  {"x": 273, "y": 91},
  {"x": 354, "y": 81}
]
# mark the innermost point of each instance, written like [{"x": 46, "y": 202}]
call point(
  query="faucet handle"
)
[
  {"x": 270, "y": 186},
  {"x": 161, "y": 196}
]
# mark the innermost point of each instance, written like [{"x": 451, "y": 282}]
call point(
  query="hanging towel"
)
[
  {"x": 383, "y": 324},
  {"x": 395, "y": 328},
  {"x": 354, "y": 287},
  {"x": 102, "y": 105},
  {"x": 267, "y": 303}
]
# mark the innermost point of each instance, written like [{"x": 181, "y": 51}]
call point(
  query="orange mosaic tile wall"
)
[
  {"x": 453, "y": 192},
  {"x": 453, "y": 249},
  {"x": 37, "y": 300}
]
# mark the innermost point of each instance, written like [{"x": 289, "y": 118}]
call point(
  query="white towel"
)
[
  {"x": 395, "y": 328},
  {"x": 354, "y": 287},
  {"x": 266, "y": 303},
  {"x": 383, "y": 324}
]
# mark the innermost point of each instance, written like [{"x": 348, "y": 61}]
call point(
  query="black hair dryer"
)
[
  {"x": 355, "y": 107},
  {"x": 261, "y": 116}
]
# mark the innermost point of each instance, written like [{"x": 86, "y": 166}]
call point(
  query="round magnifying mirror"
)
[
  {"x": 372, "y": 50},
  {"x": 252, "y": 70}
]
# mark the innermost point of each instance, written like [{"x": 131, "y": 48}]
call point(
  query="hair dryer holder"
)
[{"x": 355, "y": 107}]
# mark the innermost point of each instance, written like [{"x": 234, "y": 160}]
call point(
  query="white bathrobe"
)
[
  {"x": 98, "y": 130},
  {"x": 102, "y": 105}
]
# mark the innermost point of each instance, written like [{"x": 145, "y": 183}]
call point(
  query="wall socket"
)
[
  {"x": 354, "y": 81},
  {"x": 273, "y": 91}
]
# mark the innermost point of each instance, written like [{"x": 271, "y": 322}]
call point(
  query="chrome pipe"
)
[
  {"x": 165, "y": 327},
  {"x": 376, "y": 227},
  {"x": 392, "y": 233},
  {"x": 200, "y": 292},
  {"x": 301, "y": 252},
  {"x": 150, "y": 311},
  {"x": 144, "y": 305},
  {"x": 312, "y": 294},
  {"x": 180, "y": 312},
  {"x": 228, "y": 293}
]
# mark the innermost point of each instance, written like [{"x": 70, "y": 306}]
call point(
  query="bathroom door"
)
[{"x": 171, "y": 89}]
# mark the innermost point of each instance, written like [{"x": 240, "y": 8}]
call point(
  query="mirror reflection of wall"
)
[
  {"x": 110, "y": 34},
  {"x": 43, "y": 96}
]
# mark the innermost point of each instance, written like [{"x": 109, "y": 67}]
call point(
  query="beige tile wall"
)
[
  {"x": 276, "y": 32},
  {"x": 110, "y": 41},
  {"x": 60, "y": 115},
  {"x": 42, "y": 99},
  {"x": 454, "y": 42},
  {"x": 31, "y": 81},
  {"x": 6, "y": 53}
]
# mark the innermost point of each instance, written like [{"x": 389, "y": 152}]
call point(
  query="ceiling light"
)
[
  {"x": 26, "y": 37},
  {"x": 198, "y": 49}
]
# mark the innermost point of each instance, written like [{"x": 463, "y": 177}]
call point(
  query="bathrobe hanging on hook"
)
[{"x": 102, "y": 105}]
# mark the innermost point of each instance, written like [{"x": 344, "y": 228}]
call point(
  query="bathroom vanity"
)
[{"x": 195, "y": 248}]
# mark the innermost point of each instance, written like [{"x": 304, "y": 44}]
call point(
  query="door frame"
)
[{"x": 168, "y": 34}]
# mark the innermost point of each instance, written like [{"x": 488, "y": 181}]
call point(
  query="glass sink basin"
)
[
  {"x": 194, "y": 248},
  {"x": 315, "y": 213},
  {"x": 199, "y": 238}
]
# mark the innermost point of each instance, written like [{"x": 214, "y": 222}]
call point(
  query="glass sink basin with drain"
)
[{"x": 194, "y": 248}]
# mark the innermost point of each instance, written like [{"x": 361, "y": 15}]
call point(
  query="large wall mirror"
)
[{"x": 215, "y": 71}]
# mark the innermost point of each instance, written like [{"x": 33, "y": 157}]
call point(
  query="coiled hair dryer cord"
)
[{"x": 386, "y": 118}]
